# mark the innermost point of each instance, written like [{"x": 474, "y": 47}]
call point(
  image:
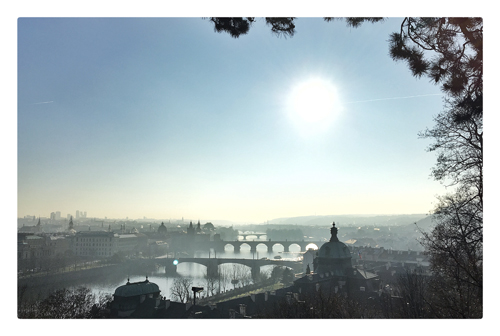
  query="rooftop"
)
[{"x": 137, "y": 288}]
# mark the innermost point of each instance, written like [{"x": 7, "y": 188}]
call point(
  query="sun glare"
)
[{"x": 314, "y": 101}]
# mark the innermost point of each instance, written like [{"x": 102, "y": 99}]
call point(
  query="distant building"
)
[
  {"x": 190, "y": 229},
  {"x": 57, "y": 246},
  {"x": 70, "y": 225},
  {"x": 162, "y": 230},
  {"x": 103, "y": 244},
  {"x": 30, "y": 246},
  {"x": 99, "y": 244},
  {"x": 31, "y": 229},
  {"x": 130, "y": 244}
]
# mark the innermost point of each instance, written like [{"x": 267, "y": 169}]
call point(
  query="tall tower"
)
[
  {"x": 70, "y": 226},
  {"x": 190, "y": 229}
]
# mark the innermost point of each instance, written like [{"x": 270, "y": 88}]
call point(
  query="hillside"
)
[{"x": 351, "y": 220}]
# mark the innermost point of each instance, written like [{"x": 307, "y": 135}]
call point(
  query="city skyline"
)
[{"x": 164, "y": 118}]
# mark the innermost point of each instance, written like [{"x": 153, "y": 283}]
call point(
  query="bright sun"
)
[{"x": 314, "y": 101}]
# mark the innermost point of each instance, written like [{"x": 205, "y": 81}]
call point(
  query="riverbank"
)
[{"x": 39, "y": 285}]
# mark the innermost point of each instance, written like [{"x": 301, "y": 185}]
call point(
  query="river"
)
[
  {"x": 106, "y": 281},
  {"x": 194, "y": 271}
]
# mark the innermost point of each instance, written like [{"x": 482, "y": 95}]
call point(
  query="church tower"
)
[{"x": 190, "y": 229}]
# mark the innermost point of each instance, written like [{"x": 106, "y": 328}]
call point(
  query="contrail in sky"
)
[
  {"x": 394, "y": 98},
  {"x": 47, "y": 102}
]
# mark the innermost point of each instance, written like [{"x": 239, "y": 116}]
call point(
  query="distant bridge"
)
[
  {"x": 245, "y": 235},
  {"x": 212, "y": 264},
  {"x": 219, "y": 246}
]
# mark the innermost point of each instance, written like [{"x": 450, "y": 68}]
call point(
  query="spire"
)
[{"x": 334, "y": 231}]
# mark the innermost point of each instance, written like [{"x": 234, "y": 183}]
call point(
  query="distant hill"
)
[
  {"x": 426, "y": 224},
  {"x": 350, "y": 220}
]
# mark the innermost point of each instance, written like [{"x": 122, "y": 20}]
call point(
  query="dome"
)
[
  {"x": 137, "y": 288},
  {"x": 333, "y": 256},
  {"x": 334, "y": 250},
  {"x": 162, "y": 228}
]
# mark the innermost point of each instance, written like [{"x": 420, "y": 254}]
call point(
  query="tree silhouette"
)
[
  {"x": 450, "y": 52},
  {"x": 181, "y": 289},
  {"x": 455, "y": 247}
]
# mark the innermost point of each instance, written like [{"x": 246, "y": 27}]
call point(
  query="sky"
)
[{"x": 165, "y": 118}]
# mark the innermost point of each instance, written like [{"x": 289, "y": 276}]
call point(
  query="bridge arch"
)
[
  {"x": 274, "y": 249},
  {"x": 230, "y": 245},
  {"x": 314, "y": 246},
  {"x": 198, "y": 266},
  {"x": 245, "y": 246},
  {"x": 294, "y": 247},
  {"x": 260, "y": 245}
]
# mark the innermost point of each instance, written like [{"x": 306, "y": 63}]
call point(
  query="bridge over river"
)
[
  {"x": 219, "y": 246},
  {"x": 212, "y": 264},
  {"x": 257, "y": 234}
]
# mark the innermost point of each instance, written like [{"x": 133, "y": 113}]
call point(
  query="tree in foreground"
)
[
  {"x": 455, "y": 247},
  {"x": 181, "y": 289},
  {"x": 79, "y": 303},
  {"x": 449, "y": 51}
]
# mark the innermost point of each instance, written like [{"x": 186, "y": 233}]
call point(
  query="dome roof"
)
[
  {"x": 334, "y": 250},
  {"x": 137, "y": 288},
  {"x": 333, "y": 256},
  {"x": 162, "y": 228}
]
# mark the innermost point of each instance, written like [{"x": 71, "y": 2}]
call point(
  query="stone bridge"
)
[
  {"x": 212, "y": 264},
  {"x": 219, "y": 246},
  {"x": 258, "y": 235}
]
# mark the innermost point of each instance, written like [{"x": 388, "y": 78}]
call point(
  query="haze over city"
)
[
  {"x": 184, "y": 166},
  {"x": 163, "y": 118}
]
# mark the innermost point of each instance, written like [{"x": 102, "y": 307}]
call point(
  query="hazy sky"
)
[{"x": 165, "y": 118}]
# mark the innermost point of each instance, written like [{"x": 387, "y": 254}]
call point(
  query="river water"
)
[{"x": 194, "y": 271}]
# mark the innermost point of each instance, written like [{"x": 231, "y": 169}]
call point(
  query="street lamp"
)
[{"x": 196, "y": 290}]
